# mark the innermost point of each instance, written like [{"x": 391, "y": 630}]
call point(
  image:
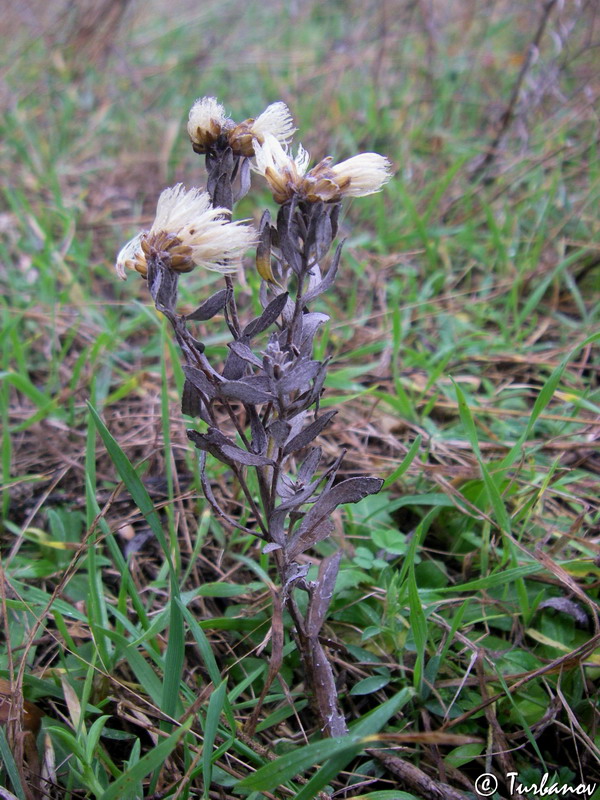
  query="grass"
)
[{"x": 465, "y": 368}]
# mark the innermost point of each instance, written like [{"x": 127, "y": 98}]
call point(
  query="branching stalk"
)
[{"x": 260, "y": 409}]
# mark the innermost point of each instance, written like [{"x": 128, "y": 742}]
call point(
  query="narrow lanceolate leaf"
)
[
  {"x": 198, "y": 379},
  {"x": 267, "y": 318},
  {"x": 329, "y": 278},
  {"x": 369, "y": 725},
  {"x": 215, "y": 706},
  {"x": 11, "y": 768},
  {"x": 210, "y": 307},
  {"x": 175, "y": 647},
  {"x": 223, "y": 449},
  {"x": 306, "y": 436},
  {"x": 297, "y": 761},
  {"x": 322, "y": 593},
  {"x": 351, "y": 490}
]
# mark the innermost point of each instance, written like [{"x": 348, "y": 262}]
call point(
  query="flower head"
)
[
  {"x": 363, "y": 174},
  {"x": 284, "y": 174},
  {"x": 366, "y": 173},
  {"x": 188, "y": 232},
  {"x": 208, "y": 121}
]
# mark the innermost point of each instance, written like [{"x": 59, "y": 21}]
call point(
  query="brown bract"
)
[
  {"x": 170, "y": 249},
  {"x": 326, "y": 182}
]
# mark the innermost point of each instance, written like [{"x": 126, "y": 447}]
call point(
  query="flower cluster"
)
[
  {"x": 190, "y": 231},
  {"x": 269, "y": 390},
  {"x": 208, "y": 124}
]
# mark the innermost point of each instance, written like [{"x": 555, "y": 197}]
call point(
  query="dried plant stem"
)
[
  {"x": 262, "y": 409},
  {"x": 509, "y": 112}
]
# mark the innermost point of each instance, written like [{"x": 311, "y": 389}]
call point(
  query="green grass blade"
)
[
  {"x": 213, "y": 715},
  {"x": 153, "y": 760},
  {"x": 208, "y": 657},
  {"x": 369, "y": 725},
  {"x": 284, "y": 768},
  {"x": 175, "y": 648},
  {"x": 11, "y": 767},
  {"x": 418, "y": 625},
  {"x": 405, "y": 463}
]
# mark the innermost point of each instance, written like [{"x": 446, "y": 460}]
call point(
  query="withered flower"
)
[
  {"x": 284, "y": 174},
  {"x": 208, "y": 121},
  {"x": 366, "y": 173},
  {"x": 361, "y": 175},
  {"x": 188, "y": 232}
]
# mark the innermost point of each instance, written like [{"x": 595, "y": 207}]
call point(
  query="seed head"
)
[
  {"x": 284, "y": 174},
  {"x": 207, "y": 121},
  {"x": 361, "y": 175},
  {"x": 188, "y": 232}
]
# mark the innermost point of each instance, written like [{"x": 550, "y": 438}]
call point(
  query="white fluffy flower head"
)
[
  {"x": 189, "y": 232},
  {"x": 207, "y": 121},
  {"x": 361, "y": 175},
  {"x": 367, "y": 173},
  {"x": 283, "y": 173}
]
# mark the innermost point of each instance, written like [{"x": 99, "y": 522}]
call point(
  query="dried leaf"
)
[
  {"x": 162, "y": 283},
  {"x": 329, "y": 278},
  {"x": 268, "y": 548},
  {"x": 567, "y": 606},
  {"x": 245, "y": 391},
  {"x": 309, "y": 538},
  {"x": 234, "y": 367},
  {"x": 32, "y": 715},
  {"x": 191, "y": 404},
  {"x": 306, "y": 436},
  {"x": 208, "y": 493},
  {"x": 287, "y": 233},
  {"x": 311, "y": 322},
  {"x": 223, "y": 449},
  {"x": 259, "y": 435},
  {"x": 324, "y": 688},
  {"x": 244, "y": 177},
  {"x": 310, "y": 465},
  {"x": 263, "y": 255},
  {"x": 242, "y": 350},
  {"x": 210, "y": 307},
  {"x": 298, "y": 378},
  {"x": 267, "y": 318},
  {"x": 323, "y": 236},
  {"x": 198, "y": 379},
  {"x": 312, "y": 529},
  {"x": 279, "y": 429},
  {"x": 72, "y": 702}
]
